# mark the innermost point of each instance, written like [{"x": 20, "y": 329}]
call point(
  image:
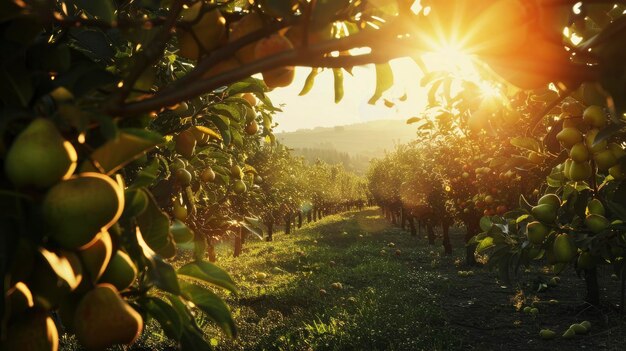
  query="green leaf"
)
[
  {"x": 309, "y": 82},
  {"x": 167, "y": 316},
  {"x": 208, "y": 131},
  {"x": 227, "y": 110},
  {"x": 384, "y": 81},
  {"x": 147, "y": 175},
  {"x": 212, "y": 305},
  {"x": 16, "y": 88},
  {"x": 222, "y": 127},
  {"x": 338, "y": 79},
  {"x": 180, "y": 232},
  {"x": 154, "y": 225},
  {"x": 193, "y": 340},
  {"x": 485, "y": 223},
  {"x": 526, "y": 143},
  {"x": 117, "y": 153},
  {"x": 164, "y": 276},
  {"x": 208, "y": 272}
]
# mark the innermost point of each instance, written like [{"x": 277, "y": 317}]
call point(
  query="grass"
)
[{"x": 384, "y": 302}]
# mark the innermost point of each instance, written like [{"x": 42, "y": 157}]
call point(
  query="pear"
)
[
  {"x": 579, "y": 152},
  {"x": 596, "y": 223},
  {"x": 579, "y": 328},
  {"x": 594, "y": 116},
  {"x": 617, "y": 150},
  {"x": 55, "y": 275},
  {"x": 33, "y": 331},
  {"x": 585, "y": 260},
  {"x": 77, "y": 209},
  {"x": 605, "y": 159},
  {"x": 586, "y": 324},
  {"x": 97, "y": 255},
  {"x": 121, "y": 271},
  {"x": 104, "y": 319},
  {"x": 564, "y": 251},
  {"x": 550, "y": 199},
  {"x": 185, "y": 143},
  {"x": 240, "y": 187},
  {"x": 595, "y": 206},
  {"x": 568, "y": 137},
  {"x": 545, "y": 213},
  {"x": 39, "y": 156},
  {"x": 19, "y": 299},
  {"x": 590, "y": 140},
  {"x": 569, "y": 333},
  {"x": 580, "y": 171},
  {"x": 547, "y": 334},
  {"x": 537, "y": 232}
]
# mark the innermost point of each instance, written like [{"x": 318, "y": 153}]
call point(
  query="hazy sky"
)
[{"x": 318, "y": 108}]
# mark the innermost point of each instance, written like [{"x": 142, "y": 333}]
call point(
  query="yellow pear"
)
[
  {"x": 569, "y": 137},
  {"x": 33, "y": 331},
  {"x": 121, "y": 271},
  {"x": 77, "y": 209},
  {"x": 104, "y": 319},
  {"x": 39, "y": 156},
  {"x": 185, "y": 143}
]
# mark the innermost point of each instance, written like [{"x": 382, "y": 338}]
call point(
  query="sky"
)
[{"x": 318, "y": 108}]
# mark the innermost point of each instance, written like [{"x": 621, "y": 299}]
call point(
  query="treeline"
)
[{"x": 354, "y": 163}]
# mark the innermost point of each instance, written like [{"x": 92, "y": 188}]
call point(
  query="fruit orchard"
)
[{"x": 134, "y": 134}]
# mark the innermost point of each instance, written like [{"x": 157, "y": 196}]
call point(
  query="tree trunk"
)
[
  {"x": 473, "y": 227},
  {"x": 402, "y": 218},
  {"x": 288, "y": 224},
  {"x": 447, "y": 247},
  {"x": 211, "y": 252},
  {"x": 314, "y": 215},
  {"x": 270, "y": 231},
  {"x": 238, "y": 243},
  {"x": 593, "y": 290},
  {"x": 431, "y": 233},
  {"x": 308, "y": 217},
  {"x": 412, "y": 225},
  {"x": 299, "y": 220}
]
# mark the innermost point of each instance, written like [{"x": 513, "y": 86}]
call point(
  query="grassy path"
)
[
  {"x": 396, "y": 293},
  {"x": 387, "y": 301}
]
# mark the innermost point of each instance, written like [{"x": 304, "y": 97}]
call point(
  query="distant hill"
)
[{"x": 351, "y": 145}]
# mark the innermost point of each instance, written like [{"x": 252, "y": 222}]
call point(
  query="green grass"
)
[{"x": 386, "y": 303}]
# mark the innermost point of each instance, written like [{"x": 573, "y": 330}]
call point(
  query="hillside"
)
[{"x": 351, "y": 145}]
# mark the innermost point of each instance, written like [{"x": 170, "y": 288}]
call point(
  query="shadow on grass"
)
[{"x": 347, "y": 282}]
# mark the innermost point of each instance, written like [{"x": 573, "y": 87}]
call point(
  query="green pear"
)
[
  {"x": 594, "y": 116},
  {"x": 33, "y": 331},
  {"x": 616, "y": 172},
  {"x": 596, "y": 223},
  {"x": 585, "y": 260},
  {"x": 550, "y": 199},
  {"x": 103, "y": 319},
  {"x": 569, "y": 333},
  {"x": 547, "y": 334},
  {"x": 579, "y": 152},
  {"x": 121, "y": 271},
  {"x": 77, "y": 209},
  {"x": 579, "y": 328},
  {"x": 586, "y": 324},
  {"x": 39, "y": 156},
  {"x": 580, "y": 171},
  {"x": 97, "y": 255},
  {"x": 568, "y": 137},
  {"x": 567, "y": 167},
  {"x": 605, "y": 159},
  {"x": 564, "y": 251},
  {"x": 617, "y": 150},
  {"x": 544, "y": 213},
  {"x": 537, "y": 232},
  {"x": 595, "y": 206},
  {"x": 590, "y": 140}
]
